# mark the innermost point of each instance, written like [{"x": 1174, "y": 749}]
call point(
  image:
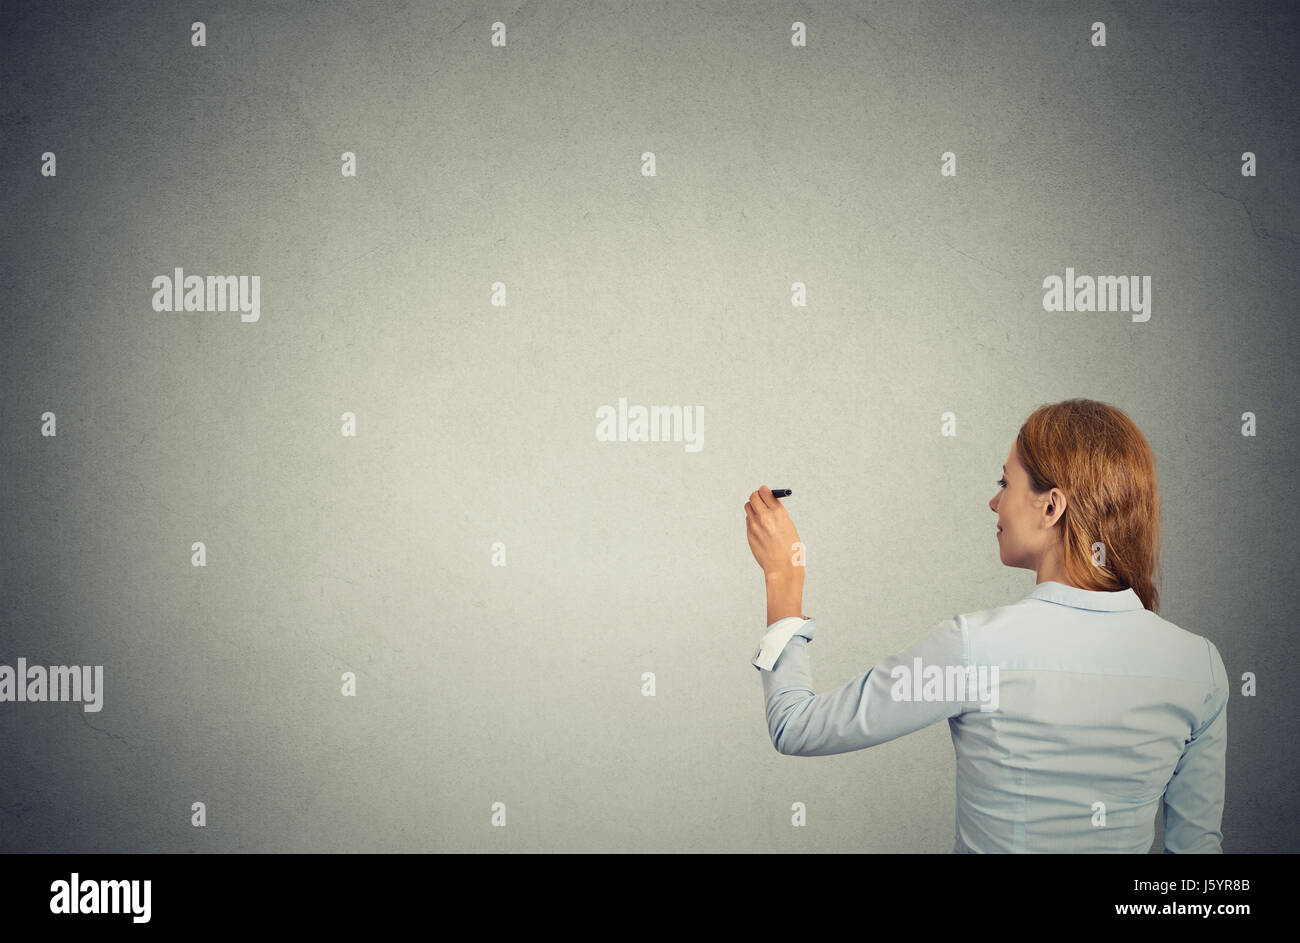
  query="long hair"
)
[{"x": 1096, "y": 455}]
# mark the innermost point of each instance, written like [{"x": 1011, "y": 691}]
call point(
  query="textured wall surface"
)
[{"x": 526, "y": 164}]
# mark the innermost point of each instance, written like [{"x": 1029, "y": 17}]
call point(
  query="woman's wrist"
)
[{"x": 784, "y": 596}]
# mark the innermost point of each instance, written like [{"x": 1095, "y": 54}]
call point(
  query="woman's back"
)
[
  {"x": 1102, "y": 705},
  {"x": 1071, "y": 711}
]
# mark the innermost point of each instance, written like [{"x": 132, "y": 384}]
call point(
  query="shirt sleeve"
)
[
  {"x": 875, "y": 707},
  {"x": 776, "y": 637},
  {"x": 1194, "y": 796}
]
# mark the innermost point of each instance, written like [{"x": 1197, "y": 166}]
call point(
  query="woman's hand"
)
[{"x": 772, "y": 538}]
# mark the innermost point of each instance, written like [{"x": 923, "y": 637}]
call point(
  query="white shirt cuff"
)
[{"x": 775, "y": 639}]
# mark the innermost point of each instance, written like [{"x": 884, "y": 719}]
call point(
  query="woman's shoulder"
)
[{"x": 1042, "y": 631}]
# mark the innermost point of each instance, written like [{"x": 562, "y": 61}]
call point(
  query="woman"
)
[{"x": 1072, "y": 710}]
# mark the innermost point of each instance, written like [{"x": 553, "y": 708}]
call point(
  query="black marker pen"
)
[{"x": 781, "y": 492}]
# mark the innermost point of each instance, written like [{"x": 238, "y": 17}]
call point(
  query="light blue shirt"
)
[{"x": 1096, "y": 709}]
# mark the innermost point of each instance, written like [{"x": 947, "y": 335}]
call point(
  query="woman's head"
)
[{"x": 1080, "y": 499}]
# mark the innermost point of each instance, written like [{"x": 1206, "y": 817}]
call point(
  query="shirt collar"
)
[{"x": 1052, "y": 591}]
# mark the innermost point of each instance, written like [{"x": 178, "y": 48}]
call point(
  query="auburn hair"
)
[{"x": 1096, "y": 455}]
